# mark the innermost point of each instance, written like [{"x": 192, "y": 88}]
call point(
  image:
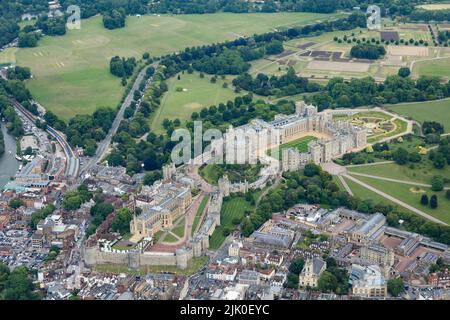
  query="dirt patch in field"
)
[
  {"x": 416, "y": 190},
  {"x": 408, "y": 51},
  {"x": 338, "y": 66},
  {"x": 416, "y": 26},
  {"x": 394, "y": 61}
]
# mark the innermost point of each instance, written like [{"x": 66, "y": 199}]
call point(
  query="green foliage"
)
[
  {"x": 121, "y": 222},
  {"x": 16, "y": 203},
  {"x": 395, "y": 286},
  {"x": 114, "y": 19},
  {"x": 334, "y": 279},
  {"x": 122, "y": 67},
  {"x": 74, "y": 199},
  {"x": 404, "y": 72},
  {"x": 16, "y": 284},
  {"x": 41, "y": 214},
  {"x": 437, "y": 183},
  {"x": 367, "y": 51},
  {"x": 296, "y": 266}
]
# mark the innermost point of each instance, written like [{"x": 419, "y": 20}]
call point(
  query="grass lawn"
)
[
  {"x": 365, "y": 194},
  {"x": 8, "y": 56},
  {"x": 426, "y": 111},
  {"x": 71, "y": 72},
  {"x": 421, "y": 173},
  {"x": 193, "y": 266},
  {"x": 200, "y": 93},
  {"x": 199, "y": 214},
  {"x": 438, "y": 68},
  {"x": 179, "y": 229},
  {"x": 407, "y": 194},
  {"x": 157, "y": 236},
  {"x": 435, "y": 6},
  {"x": 232, "y": 208},
  {"x": 300, "y": 144},
  {"x": 169, "y": 238}
]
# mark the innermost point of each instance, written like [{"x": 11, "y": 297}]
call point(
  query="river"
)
[{"x": 8, "y": 163}]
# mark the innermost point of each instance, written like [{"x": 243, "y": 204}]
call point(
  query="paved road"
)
[
  {"x": 395, "y": 180},
  {"x": 103, "y": 146},
  {"x": 368, "y": 164},
  {"x": 344, "y": 183},
  {"x": 395, "y": 200}
]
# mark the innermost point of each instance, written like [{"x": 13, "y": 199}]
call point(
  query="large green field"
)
[
  {"x": 232, "y": 208},
  {"x": 420, "y": 173},
  {"x": 412, "y": 196},
  {"x": 71, "y": 73},
  {"x": 438, "y": 68},
  {"x": 196, "y": 94},
  {"x": 426, "y": 111}
]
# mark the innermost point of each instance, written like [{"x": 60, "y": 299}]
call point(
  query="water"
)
[{"x": 8, "y": 163}]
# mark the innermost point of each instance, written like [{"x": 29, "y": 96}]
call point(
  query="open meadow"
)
[
  {"x": 190, "y": 94},
  {"x": 71, "y": 72},
  {"x": 426, "y": 111}
]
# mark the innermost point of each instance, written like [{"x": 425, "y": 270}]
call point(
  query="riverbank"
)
[{"x": 8, "y": 164}]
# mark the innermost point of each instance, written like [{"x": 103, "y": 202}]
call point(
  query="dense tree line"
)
[
  {"x": 86, "y": 130},
  {"x": 52, "y": 26},
  {"x": 430, "y": 15},
  {"x": 280, "y": 86},
  {"x": 10, "y": 14},
  {"x": 367, "y": 51},
  {"x": 339, "y": 93},
  {"x": 393, "y": 7},
  {"x": 13, "y": 122},
  {"x": 114, "y": 19},
  {"x": 19, "y": 73},
  {"x": 16, "y": 284},
  {"x": 90, "y": 8}
]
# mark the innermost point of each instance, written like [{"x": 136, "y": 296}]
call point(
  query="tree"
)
[
  {"x": 400, "y": 156},
  {"x": 16, "y": 203},
  {"x": 404, "y": 72},
  {"x": 395, "y": 286},
  {"x": 424, "y": 200},
  {"x": 437, "y": 183},
  {"x": 327, "y": 282},
  {"x": 311, "y": 169},
  {"x": 121, "y": 222},
  {"x": 367, "y": 51},
  {"x": 433, "y": 202},
  {"x": 292, "y": 281},
  {"x": 296, "y": 266}
]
